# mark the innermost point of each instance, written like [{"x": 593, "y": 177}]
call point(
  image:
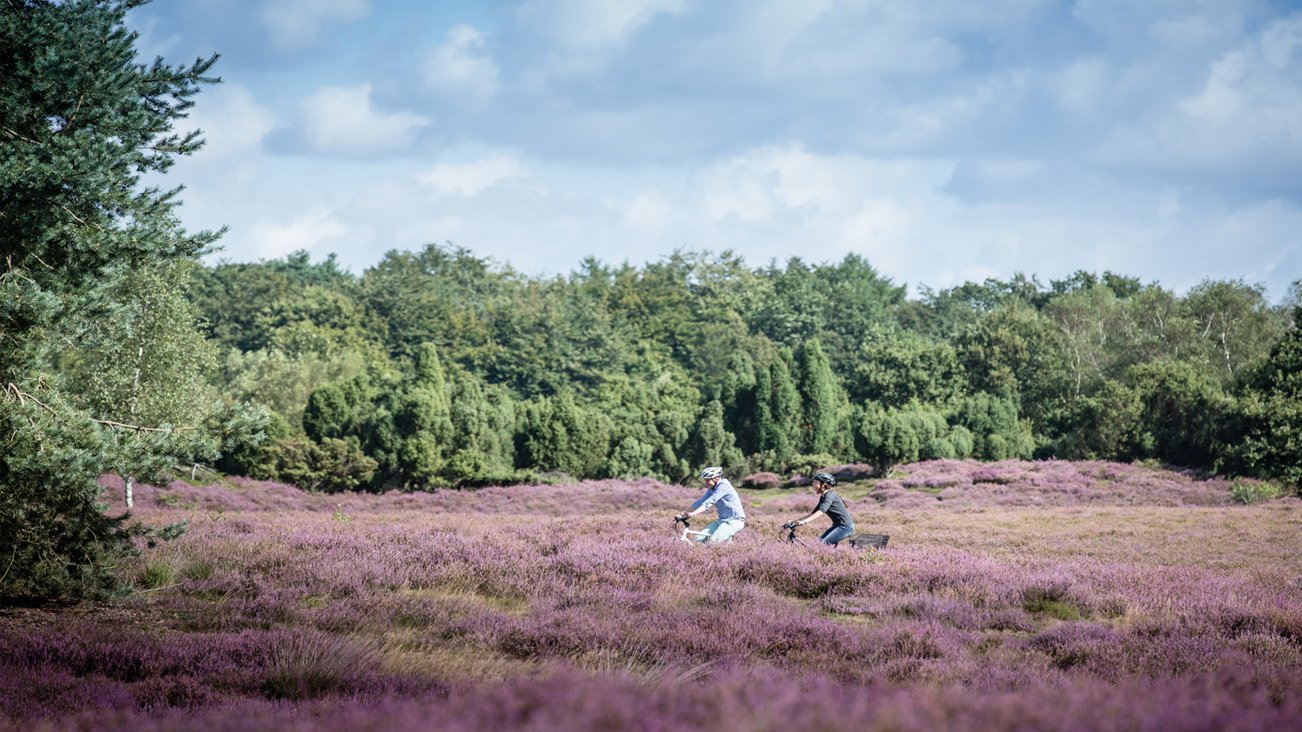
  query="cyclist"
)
[
  {"x": 723, "y": 498},
  {"x": 830, "y": 504}
]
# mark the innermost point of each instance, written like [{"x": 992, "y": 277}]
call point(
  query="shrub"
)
[
  {"x": 157, "y": 574},
  {"x": 1254, "y": 491},
  {"x": 762, "y": 480},
  {"x": 308, "y": 665}
]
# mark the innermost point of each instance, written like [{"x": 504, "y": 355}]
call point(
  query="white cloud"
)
[
  {"x": 298, "y": 23},
  {"x": 585, "y": 24},
  {"x": 309, "y": 231},
  {"x": 232, "y": 121},
  {"x": 469, "y": 179},
  {"x": 461, "y": 65},
  {"x": 945, "y": 141},
  {"x": 1081, "y": 87},
  {"x": 649, "y": 212},
  {"x": 342, "y": 120},
  {"x": 1245, "y": 118}
]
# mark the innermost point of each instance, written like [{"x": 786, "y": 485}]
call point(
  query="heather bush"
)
[
  {"x": 762, "y": 480},
  {"x": 1029, "y": 583}
]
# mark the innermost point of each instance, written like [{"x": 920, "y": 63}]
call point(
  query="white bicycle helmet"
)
[{"x": 710, "y": 473}]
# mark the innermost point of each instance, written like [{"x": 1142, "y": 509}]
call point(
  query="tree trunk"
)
[{"x": 130, "y": 481}]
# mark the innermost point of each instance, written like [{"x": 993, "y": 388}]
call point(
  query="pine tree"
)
[
  {"x": 738, "y": 398},
  {"x": 712, "y": 443},
  {"x": 820, "y": 399},
  {"x": 778, "y": 414},
  {"x": 80, "y": 123},
  {"x": 424, "y": 419}
]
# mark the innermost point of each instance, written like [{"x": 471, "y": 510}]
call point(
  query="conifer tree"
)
[
  {"x": 820, "y": 399},
  {"x": 712, "y": 443},
  {"x": 778, "y": 420},
  {"x": 424, "y": 419},
  {"x": 80, "y": 122},
  {"x": 737, "y": 395}
]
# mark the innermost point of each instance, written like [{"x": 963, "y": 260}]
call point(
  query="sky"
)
[{"x": 945, "y": 141}]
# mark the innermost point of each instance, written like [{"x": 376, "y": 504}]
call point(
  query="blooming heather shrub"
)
[
  {"x": 762, "y": 480},
  {"x": 1098, "y": 648},
  {"x": 543, "y": 607},
  {"x": 1057, "y": 483},
  {"x": 851, "y": 471}
]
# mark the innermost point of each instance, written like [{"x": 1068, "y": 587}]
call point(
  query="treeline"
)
[{"x": 441, "y": 368}]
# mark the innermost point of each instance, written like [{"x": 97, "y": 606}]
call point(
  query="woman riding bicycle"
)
[{"x": 830, "y": 504}]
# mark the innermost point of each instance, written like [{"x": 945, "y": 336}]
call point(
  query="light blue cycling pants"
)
[{"x": 721, "y": 531}]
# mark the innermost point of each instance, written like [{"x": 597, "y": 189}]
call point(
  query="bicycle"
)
[
  {"x": 858, "y": 541},
  {"x": 682, "y": 527},
  {"x": 791, "y": 538}
]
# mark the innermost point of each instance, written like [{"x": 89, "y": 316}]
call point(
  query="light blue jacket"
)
[{"x": 725, "y": 500}]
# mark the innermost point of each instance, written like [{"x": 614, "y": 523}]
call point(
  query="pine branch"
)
[{"x": 23, "y": 397}]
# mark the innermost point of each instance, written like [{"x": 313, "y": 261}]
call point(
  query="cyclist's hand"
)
[
  {"x": 681, "y": 517},
  {"x": 790, "y": 525}
]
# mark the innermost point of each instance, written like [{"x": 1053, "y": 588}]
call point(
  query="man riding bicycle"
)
[{"x": 723, "y": 498}]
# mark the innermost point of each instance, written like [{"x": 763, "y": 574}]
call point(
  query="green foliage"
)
[
  {"x": 1101, "y": 426},
  {"x": 778, "y": 415},
  {"x": 738, "y": 395},
  {"x": 329, "y": 465},
  {"x": 898, "y": 367},
  {"x": 557, "y": 434},
  {"x": 424, "y": 419},
  {"x": 820, "y": 397},
  {"x": 79, "y": 237},
  {"x": 1016, "y": 351},
  {"x": 996, "y": 431},
  {"x": 641, "y": 353},
  {"x": 1252, "y": 491},
  {"x": 63, "y": 544},
  {"x": 887, "y": 437},
  {"x": 144, "y": 362},
  {"x": 1181, "y": 413},
  {"x": 1237, "y": 325},
  {"x": 1267, "y": 419},
  {"x": 246, "y": 446},
  {"x": 712, "y": 444},
  {"x": 326, "y": 413},
  {"x": 808, "y": 464}
]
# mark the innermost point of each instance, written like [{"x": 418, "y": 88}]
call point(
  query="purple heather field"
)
[{"x": 1012, "y": 596}]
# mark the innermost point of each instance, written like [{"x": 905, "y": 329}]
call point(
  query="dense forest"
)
[{"x": 440, "y": 368}]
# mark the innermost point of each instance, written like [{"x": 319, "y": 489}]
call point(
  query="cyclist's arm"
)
[
  {"x": 806, "y": 519},
  {"x": 702, "y": 504}
]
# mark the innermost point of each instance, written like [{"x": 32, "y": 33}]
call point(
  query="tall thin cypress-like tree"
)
[{"x": 819, "y": 398}]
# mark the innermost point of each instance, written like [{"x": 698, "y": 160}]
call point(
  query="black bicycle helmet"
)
[{"x": 827, "y": 478}]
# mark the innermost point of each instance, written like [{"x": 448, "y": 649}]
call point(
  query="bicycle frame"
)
[
  {"x": 859, "y": 541},
  {"x": 683, "y": 527},
  {"x": 790, "y": 537}
]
